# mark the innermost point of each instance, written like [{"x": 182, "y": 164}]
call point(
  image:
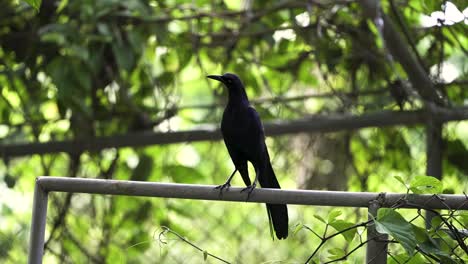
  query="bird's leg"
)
[
  {"x": 249, "y": 189},
  {"x": 227, "y": 184}
]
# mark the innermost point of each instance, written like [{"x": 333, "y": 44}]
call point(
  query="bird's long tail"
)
[{"x": 278, "y": 213}]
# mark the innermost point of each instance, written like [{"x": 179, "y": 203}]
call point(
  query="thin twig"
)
[
  {"x": 406, "y": 32},
  {"x": 452, "y": 229},
  {"x": 352, "y": 251},
  {"x": 168, "y": 230},
  {"x": 325, "y": 239}
]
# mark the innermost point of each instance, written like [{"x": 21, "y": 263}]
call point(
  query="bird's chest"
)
[{"x": 236, "y": 123}]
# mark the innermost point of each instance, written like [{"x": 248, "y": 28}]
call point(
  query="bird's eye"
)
[{"x": 229, "y": 81}]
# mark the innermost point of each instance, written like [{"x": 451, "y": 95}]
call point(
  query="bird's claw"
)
[
  {"x": 249, "y": 190},
  {"x": 222, "y": 187}
]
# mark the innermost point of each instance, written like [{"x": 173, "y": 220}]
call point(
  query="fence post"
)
[
  {"x": 38, "y": 224},
  {"x": 377, "y": 246},
  {"x": 433, "y": 157}
]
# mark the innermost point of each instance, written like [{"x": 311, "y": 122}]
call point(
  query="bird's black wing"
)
[
  {"x": 255, "y": 138},
  {"x": 278, "y": 213}
]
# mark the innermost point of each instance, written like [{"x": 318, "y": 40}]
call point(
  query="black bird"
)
[{"x": 243, "y": 135}]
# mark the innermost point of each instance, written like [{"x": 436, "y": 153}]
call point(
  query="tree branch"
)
[{"x": 399, "y": 50}]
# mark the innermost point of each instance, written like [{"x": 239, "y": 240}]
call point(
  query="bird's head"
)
[
  {"x": 233, "y": 83},
  {"x": 230, "y": 80}
]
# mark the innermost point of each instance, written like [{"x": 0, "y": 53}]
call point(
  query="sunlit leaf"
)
[
  {"x": 436, "y": 221},
  {"x": 425, "y": 184},
  {"x": 340, "y": 225},
  {"x": 333, "y": 215},
  {"x": 463, "y": 216},
  {"x": 400, "y": 179},
  {"x": 297, "y": 228},
  {"x": 320, "y": 218},
  {"x": 336, "y": 253}
]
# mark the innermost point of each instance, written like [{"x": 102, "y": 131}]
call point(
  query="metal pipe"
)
[
  {"x": 38, "y": 224},
  {"x": 207, "y": 192},
  {"x": 260, "y": 195}
]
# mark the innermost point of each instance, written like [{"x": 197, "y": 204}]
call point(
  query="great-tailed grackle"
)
[{"x": 243, "y": 135}]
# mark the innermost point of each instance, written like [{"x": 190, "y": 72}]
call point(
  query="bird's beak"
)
[{"x": 216, "y": 77}]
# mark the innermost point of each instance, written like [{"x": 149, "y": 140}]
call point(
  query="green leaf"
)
[
  {"x": 392, "y": 223},
  {"x": 305, "y": 75},
  {"x": 400, "y": 179},
  {"x": 404, "y": 258},
  {"x": 340, "y": 225},
  {"x": 55, "y": 37},
  {"x": 425, "y": 184},
  {"x": 463, "y": 217},
  {"x": 432, "y": 247},
  {"x": 62, "y": 5},
  {"x": 320, "y": 219},
  {"x": 333, "y": 215},
  {"x": 297, "y": 228},
  {"x": 436, "y": 222},
  {"x": 444, "y": 239},
  {"x": 205, "y": 255},
  {"x": 420, "y": 234},
  {"x": 36, "y": 4},
  {"x": 336, "y": 253}
]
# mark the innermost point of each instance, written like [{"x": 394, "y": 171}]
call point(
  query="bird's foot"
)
[
  {"x": 223, "y": 187},
  {"x": 249, "y": 190}
]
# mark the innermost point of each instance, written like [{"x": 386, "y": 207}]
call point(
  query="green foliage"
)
[
  {"x": 456, "y": 150},
  {"x": 400, "y": 179},
  {"x": 425, "y": 184},
  {"x": 341, "y": 226},
  {"x": 415, "y": 259},
  {"x": 36, "y": 4},
  {"x": 392, "y": 223}
]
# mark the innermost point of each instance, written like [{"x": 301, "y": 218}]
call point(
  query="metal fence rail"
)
[{"x": 373, "y": 201}]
